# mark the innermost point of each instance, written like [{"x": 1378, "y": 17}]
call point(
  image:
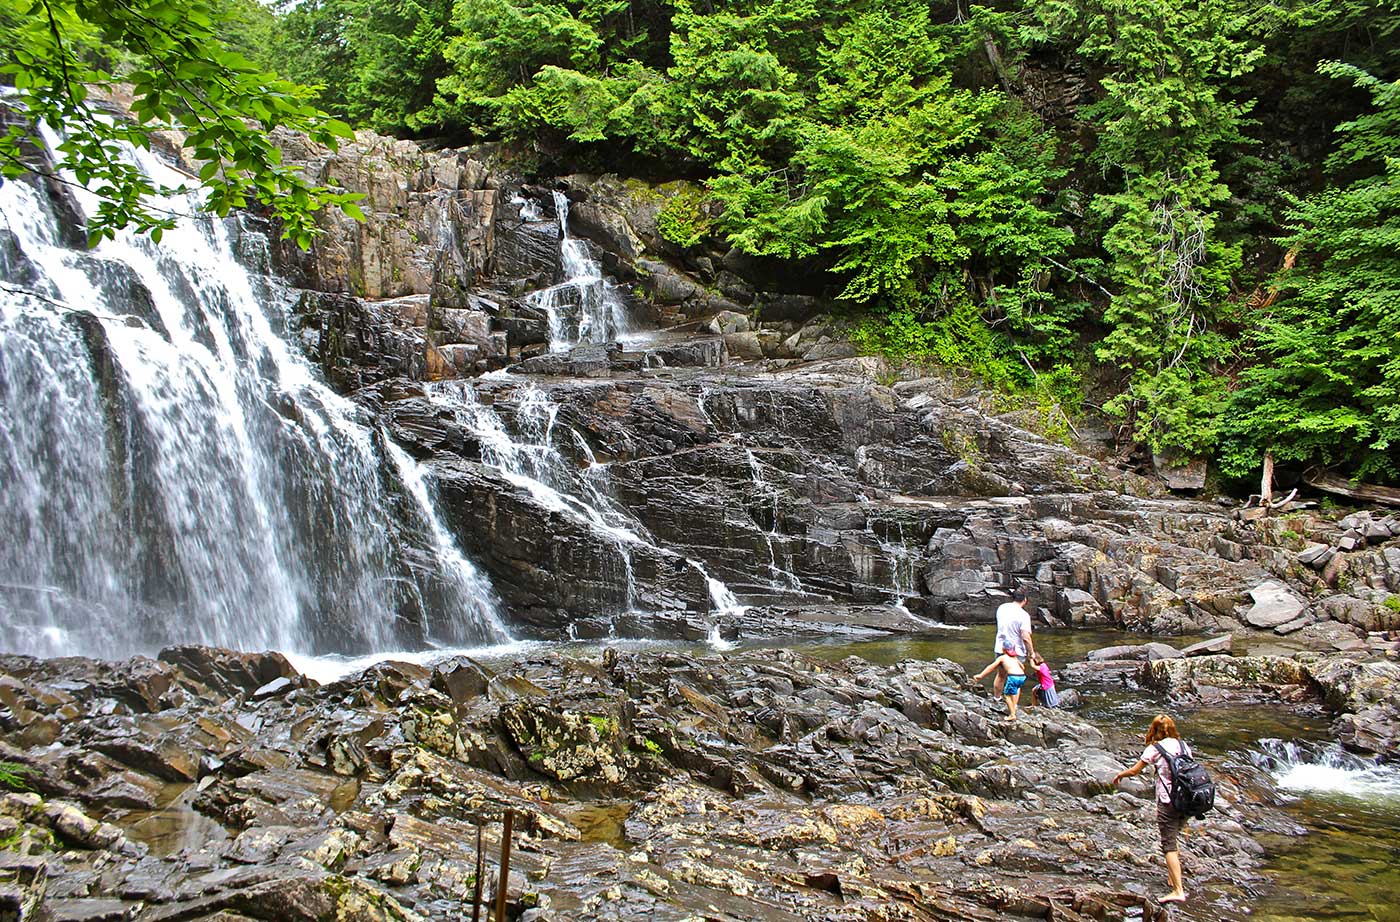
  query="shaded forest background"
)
[{"x": 1183, "y": 213}]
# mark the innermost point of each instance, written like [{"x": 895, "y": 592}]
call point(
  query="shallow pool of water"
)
[{"x": 971, "y": 648}]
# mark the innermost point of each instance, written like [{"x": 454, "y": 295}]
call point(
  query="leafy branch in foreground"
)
[{"x": 68, "y": 59}]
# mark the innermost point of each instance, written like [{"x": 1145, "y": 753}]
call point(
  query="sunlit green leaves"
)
[{"x": 182, "y": 80}]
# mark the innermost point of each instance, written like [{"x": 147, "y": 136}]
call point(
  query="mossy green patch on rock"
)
[
  {"x": 568, "y": 746},
  {"x": 355, "y": 900}
]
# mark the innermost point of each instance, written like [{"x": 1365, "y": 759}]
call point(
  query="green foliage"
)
[
  {"x": 16, "y": 777},
  {"x": 1043, "y": 193},
  {"x": 1325, "y": 384},
  {"x": 1392, "y": 603},
  {"x": 959, "y": 339},
  {"x": 685, "y": 219},
  {"x": 1163, "y": 119},
  {"x": 64, "y": 56},
  {"x": 1058, "y": 395}
]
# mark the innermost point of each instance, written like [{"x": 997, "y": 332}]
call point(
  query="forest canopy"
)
[{"x": 1188, "y": 212}]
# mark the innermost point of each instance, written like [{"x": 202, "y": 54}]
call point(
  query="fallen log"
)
[{"x": 1371, "y": 493}]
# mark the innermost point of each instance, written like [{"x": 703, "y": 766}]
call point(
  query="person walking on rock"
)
[
  {"x": 1044, "y": 692},
  {"x": 1163, "y": 733},
  {"x": 1013, "y": 633},
  {"x": 1015, "y": 678}
]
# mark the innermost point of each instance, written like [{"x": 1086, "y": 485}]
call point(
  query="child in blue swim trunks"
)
[{"x": 1015, "y": 678}]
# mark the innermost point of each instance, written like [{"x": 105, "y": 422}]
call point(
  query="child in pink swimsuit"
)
[{"x": 1045, "y": 693}]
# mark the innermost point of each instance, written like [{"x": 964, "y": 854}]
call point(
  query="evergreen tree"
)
[{"x": 1325, "y": 384}]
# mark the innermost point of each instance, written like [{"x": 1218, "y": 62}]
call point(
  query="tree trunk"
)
[
  {"x": 1369, "y": 492},
  {"x": 1266, "y": 482}
]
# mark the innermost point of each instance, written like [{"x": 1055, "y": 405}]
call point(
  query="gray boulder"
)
[{"x": 1274, "y": 604}]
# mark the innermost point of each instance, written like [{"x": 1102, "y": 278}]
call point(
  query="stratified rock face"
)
[
  {"x": 748, "y": 439},
  {"x": 808, "y": 493},
  {"x": 765, "y": 785}
]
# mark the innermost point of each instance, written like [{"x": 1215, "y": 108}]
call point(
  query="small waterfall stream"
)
[
  {"x": 175, "y": 470},
  {"x": 585, "y": 307},
  {"x": 780, "y": 575},
  {"x": 527, "y": 453}
]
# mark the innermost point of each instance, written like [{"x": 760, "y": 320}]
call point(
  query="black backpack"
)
[{"x": 1193, "y": 793}]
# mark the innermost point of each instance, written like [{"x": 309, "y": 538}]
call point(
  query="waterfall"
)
[
  {"x": 1326, "y": 768},
  {"x": 526, "y": 454},
  {"x": 585, "y": 307},
  {"x": 903, "y": 564},
  {"x": 175, "y": 470},
  {"x": 779, "y": 577}
]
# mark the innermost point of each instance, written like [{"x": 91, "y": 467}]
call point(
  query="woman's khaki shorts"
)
[{"x": 1169, "y": 824}]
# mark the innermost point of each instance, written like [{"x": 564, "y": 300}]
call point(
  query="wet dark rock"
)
[
  {"x": 95, "y": 910},
  {"x": 732, "y": 772},
  {"x": 227, "y": 671},
  {"x": 550, "y": 567}
]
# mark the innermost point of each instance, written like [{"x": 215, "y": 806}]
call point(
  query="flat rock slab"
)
[
  {"x": 1222, "y": 644},
  {"x": 89, "y": 910},
  {"x": 1273, "y": 605}
]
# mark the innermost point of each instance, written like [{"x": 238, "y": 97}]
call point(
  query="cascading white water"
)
[
  {"x": 1327, "y": 768},
  {"x": 176, "y": 472},
  {"x": 780, "y": 576},
  {"x": 585, "y": 307},
  {"x": 526, "y": 454},
  {"x": 903, "y": 566}
]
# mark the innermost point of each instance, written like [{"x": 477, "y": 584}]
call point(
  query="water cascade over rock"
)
[
  {"x": 176, "y": 471},
  {"x": 584, "y": 308},
  {"x": 633, "y": 572}
]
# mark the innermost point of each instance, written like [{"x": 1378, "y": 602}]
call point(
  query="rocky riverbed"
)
[{"x": 210, "y": 785}]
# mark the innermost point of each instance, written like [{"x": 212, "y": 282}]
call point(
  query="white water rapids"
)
[
  {"x": 1328, "y": 769},
  {"x": 585, "y": 307}
]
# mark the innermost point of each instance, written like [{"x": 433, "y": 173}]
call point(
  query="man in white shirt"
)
[{"x": 1013, "y": 631}]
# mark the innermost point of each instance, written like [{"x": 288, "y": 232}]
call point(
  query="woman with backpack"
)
[{"x": 1171, "y": 757}]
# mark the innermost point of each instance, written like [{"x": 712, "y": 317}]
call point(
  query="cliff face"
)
[{"x": 739, "y": 431}]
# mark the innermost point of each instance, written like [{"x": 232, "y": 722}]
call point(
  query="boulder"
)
[
  {"x": 1315, "y": 555},
  {"x": 1180, "y": 474},
  {"x": 726, "y": 322},
  {"x": 744, "y": 345},
  {"x": 1222, "y": 644},
  {"x": 1185, "y": 675},
  {"x": 1156, "y": 651},
  {"x": 1274, "y": 604},
  {"x": 1119, "y": 652},
  {"x": 228, "y": 671},
  {"x": 1079, "y": 607}
]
